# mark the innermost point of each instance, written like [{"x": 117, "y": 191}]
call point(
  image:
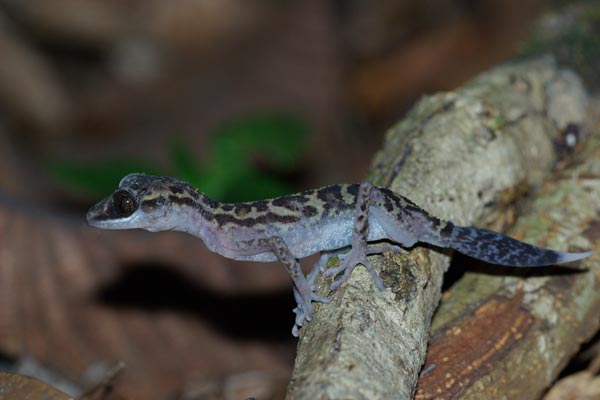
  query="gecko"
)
[{"x": 350, "y": 221}]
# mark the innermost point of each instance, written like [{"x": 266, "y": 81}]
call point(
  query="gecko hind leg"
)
[{"x": 360, "y": 248}]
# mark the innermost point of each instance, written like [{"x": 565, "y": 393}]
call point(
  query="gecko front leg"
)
[
  {"x": 311, "y": 277},
  {"x": 304, "y": 290},
  {"x": 360, "y": 248}
]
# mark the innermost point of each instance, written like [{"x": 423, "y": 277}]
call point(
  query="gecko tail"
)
[{"x": 496, "y": 248}]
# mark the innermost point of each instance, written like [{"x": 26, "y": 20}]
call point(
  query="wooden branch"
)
[
  {"x": 463, "y": 156},
  {"x": 520, "y": 328}
]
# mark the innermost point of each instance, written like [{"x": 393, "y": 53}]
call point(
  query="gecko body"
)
[{"x": 360, "y": 217}]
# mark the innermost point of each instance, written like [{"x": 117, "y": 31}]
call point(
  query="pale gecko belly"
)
[{"x": 306, "y": 241}]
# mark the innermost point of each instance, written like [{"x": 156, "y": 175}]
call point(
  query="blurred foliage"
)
[
  {"x": 95, "y": 179},
  {"x": 246, "y": 159}
]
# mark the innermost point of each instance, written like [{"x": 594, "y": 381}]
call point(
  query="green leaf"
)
[
  {"x": 184, "y": 165},
  {"x": 232, "y": 172},
  {"x": 280, "y": 140},
  {"x": 238, "y": 150}
]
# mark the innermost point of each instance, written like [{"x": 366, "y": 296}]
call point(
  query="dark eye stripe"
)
[{"x": 124, "y": 203}]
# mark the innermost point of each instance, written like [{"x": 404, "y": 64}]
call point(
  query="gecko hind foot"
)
[{"x": 348, "y": 262}]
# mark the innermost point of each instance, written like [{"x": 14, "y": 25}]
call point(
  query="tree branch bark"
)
[
  {"x": 539, "y": 317},
  {"x": 464, "y": 156}
]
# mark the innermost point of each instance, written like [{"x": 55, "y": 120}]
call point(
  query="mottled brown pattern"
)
[
  {"x": 226, "y": 207},
  {"x": 446, "y": 228},
  {"x": 242, "y": 209},
  {"x": 286, "y": 210},
  {"x": 330, "y": 195},
  {"x": 311, "y": 204},
  {"x": 153, "y": 203},
  {"x": 263, "y": 219},
  {"x": 178, "y": 188},
  {"x": 261, "y": 205},
  {"x": 207, "y": 201},
  {"x": 361, "y": 225},
  {"x": 353, "y": 189},
  {"x": 466, "y": 350},
  {"x": 387, "y": 203},
  {"x": 309, "y": 211},
  {"x": 287, "y": 201},
  {"x": 183, "y": 201},
  {"x": 291, "y": 264}
]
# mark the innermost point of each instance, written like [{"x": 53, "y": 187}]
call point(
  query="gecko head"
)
[{"x": 140, "y": 201}]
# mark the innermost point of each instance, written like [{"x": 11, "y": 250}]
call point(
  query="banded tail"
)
[{"x": 496, "y": 248}]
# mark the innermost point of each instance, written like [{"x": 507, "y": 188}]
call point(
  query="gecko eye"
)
[{"x": 125, "y": 204}]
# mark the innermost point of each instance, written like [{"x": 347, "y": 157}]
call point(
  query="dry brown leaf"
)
[
  {"x": 74, "y": 297},
  {"x": 14, "y": 387}
]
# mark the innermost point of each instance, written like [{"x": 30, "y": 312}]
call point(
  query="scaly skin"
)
[{"x": 327, "y": 220}]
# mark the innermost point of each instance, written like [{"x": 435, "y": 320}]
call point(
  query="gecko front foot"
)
[{"x": 349, "y": 261}]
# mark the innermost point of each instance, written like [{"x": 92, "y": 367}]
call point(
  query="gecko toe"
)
[
  {"x": 336, "y": 284},
  {"x": 348, "y": 266},
  {"x": 298, "y": 322},
  {"x": 335, "y": 270},
  {"x": 376, "y": 279},
  {"x": 320, "y": 299}
]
